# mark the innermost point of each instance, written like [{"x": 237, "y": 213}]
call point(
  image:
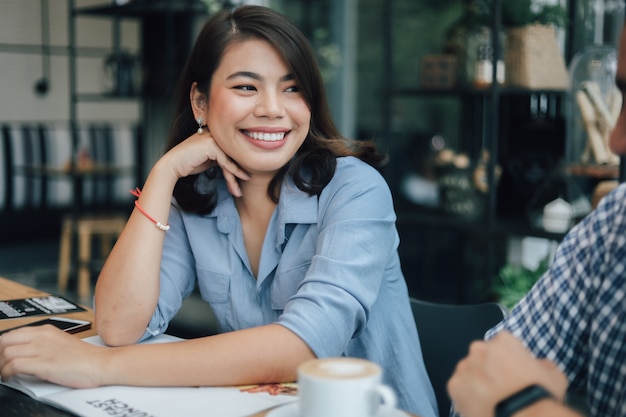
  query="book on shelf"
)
[{"x": 133, "y": 401}]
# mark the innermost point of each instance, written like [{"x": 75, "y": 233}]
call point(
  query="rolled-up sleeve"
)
[
  {"x": 356, "y": 240},
  {"x": 177, "y": 275}
]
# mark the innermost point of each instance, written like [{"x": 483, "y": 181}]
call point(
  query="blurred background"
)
[{"x": 493, "y": 155}]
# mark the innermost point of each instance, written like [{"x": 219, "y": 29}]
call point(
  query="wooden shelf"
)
[
  {"x": 594, "y": 171},
  {"x": 501, "y": 226}
]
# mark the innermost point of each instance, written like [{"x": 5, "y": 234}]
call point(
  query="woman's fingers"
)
[
  {"x": 50, "y": 354},
  {"x": 228, "y": 165},
  {"x": 230, "y": 169},
  {"x": 200, "y": 152},
  {"x": 231, "y": 182}
]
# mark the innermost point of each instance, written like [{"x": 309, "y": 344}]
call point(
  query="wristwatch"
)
[{"x": 520, "y": 400}]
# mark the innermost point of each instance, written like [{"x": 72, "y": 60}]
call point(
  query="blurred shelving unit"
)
[{"x": 523, "y": 130}]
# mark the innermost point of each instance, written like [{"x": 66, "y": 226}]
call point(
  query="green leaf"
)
[
  {"x": 516, "y": 281},
  {"x": 517, "y": 13}
]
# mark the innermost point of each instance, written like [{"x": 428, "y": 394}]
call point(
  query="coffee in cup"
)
[{"x": 346, "y": 387}]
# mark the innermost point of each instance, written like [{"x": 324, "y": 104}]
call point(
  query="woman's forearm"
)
[
  {"x": 127, "y": 289},
  {"x": 263, "y": 354}
]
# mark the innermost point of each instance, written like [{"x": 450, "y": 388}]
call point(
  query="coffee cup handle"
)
[{"x": 387, "y": 400}]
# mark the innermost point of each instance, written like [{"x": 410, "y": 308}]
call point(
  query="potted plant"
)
[
  {"x": 532, "y": 56},
  {"x": 516, "y": 281},
  {"x": 518, "y": 13}
]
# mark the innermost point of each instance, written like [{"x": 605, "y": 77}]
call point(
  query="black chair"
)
[{"x": 446, "y": 332}]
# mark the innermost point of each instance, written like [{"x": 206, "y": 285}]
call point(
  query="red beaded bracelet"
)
[{"x": 137, "y": 192}]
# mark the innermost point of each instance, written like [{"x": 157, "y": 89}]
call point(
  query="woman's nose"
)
[{"x": 269, "y": 105}]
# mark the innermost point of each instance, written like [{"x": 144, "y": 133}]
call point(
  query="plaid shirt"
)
[{"x": 576, "y": 313}]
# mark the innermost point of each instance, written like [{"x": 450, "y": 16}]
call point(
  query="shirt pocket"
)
[
  {"x": 285, "y": 285},
  {"x": 214, "y": 286}
]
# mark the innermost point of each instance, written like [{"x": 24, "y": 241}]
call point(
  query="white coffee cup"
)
[{"x": 345, "y": 387}]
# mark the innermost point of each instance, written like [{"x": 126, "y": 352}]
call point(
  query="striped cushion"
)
[{"x": 50, "y": 145}]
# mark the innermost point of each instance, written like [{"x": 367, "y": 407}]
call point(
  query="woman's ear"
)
[{"x": 198, "y": 101}]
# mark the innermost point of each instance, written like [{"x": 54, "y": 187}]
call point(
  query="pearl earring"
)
[{"x": 200, "y": 120}]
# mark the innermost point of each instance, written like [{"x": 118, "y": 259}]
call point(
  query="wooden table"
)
[
  {"x": 15, "y": 403},
  {"x": 11, "y": 290}
]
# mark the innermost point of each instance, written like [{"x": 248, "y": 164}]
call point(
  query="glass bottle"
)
[
  {"x": 594, "y": 105},
  {"x": 475, "y": 15},
  {"x": 595, "y": 101},
  {"x": 479, "y": 61}
]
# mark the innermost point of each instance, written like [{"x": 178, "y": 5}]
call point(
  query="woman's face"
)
[{"x": 256, "y": 113}]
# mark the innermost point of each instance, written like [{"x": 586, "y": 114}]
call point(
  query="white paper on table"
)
[
  {"x": 166, "y": 402},
  {"x": 149, "y": 401}
]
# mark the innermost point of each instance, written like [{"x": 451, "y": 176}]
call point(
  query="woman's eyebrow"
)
[
  {"x": 245, "y": 74},
  {"x": 255, "y": 76}
]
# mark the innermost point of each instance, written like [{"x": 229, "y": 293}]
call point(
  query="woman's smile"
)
[
  {"x": 265, "y": 136},
  {"x": 266, "y": 139}
]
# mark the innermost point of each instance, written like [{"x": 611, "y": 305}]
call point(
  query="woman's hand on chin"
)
[{"x": 200, "y": 152}]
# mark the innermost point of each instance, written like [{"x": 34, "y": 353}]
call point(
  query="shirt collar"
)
[{"x": 295, "y": 207}]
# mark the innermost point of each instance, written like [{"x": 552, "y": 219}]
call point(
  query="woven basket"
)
[{"x": 533, "y": 59}]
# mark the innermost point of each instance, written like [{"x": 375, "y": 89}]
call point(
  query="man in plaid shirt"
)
[
  {"x": 575, "y": 317},
  {"x": 576, "y": 313}
]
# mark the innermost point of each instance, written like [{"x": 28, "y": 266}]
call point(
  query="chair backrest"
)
[{"x": 445, "y": 332}]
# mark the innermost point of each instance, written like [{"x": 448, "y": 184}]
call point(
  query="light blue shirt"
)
[{"x": 329, "y": 271}]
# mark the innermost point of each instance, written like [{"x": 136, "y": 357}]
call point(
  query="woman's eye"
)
[
  {"x": 245, "y": 87},
  {"x": 292, "y": 89}
]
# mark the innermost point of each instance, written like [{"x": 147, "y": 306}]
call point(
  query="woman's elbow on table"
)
[{"x": 114, "y": 334}]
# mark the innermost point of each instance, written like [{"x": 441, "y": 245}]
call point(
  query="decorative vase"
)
[{"x": 533, "y": 59}]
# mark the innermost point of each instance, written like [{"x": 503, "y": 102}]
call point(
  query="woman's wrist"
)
[{"x": 164, "y": 173}]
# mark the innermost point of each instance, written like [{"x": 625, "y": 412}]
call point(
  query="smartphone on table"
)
[{"x": 63, "y": 323}]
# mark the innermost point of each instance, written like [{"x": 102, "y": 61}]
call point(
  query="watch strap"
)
[{"x": 520, "y": 400}]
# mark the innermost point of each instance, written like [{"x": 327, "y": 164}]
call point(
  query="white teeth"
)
[{"x": 267, "y": 137}]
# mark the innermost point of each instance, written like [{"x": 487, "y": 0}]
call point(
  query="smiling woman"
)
[
  {"x": 287, "y": 229},
  {"x": 253, "y": 102}
]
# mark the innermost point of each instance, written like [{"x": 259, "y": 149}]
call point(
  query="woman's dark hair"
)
[{"x": 314, "y": 164}]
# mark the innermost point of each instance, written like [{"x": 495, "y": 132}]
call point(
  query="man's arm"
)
[{"x": 498, "y": 369}]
